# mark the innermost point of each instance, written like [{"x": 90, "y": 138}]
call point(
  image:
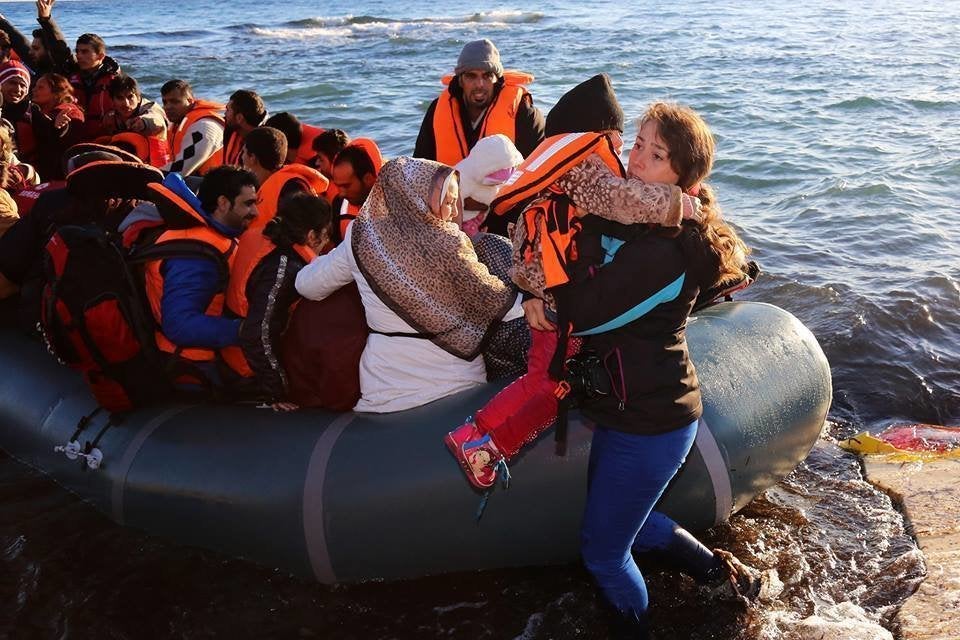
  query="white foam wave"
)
[
  {"x": 331, "y": 35},
  {"x": 341, "y": 28}
]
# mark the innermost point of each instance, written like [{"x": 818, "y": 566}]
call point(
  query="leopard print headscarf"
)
[{"x": 425, "y": 269}]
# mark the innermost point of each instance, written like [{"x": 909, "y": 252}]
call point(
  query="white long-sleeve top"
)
[
  {"x": 396, "y": 372},
  {"x": 200, "y": 141}
]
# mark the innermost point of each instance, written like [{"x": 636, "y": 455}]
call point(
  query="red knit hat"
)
[{"x": 13, "y": 68}]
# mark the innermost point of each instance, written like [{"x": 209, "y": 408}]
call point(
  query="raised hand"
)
[{"x": 45, "y": 8}]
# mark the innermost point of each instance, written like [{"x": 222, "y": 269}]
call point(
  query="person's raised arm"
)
[
  {"x": 594, "y": 189},
  {"x": 54, "y": 41},
  {"x": 18, "y": 42}
]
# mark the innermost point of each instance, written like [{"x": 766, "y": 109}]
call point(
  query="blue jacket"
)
[{"x": 189, "y": 286}]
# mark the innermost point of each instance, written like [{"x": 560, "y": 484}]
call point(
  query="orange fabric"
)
[
  {"x": 501, "y": 117},
  {"x": 373, "y": 152},
  {"x": 154, "y": 285},
  {"x": 252, "y": 250},
  {"x": 551, "y": 159},
  {"x": 201, "y": 109},
  {"x": 153, "y": 150},
  {"x": 305, "y": 152},
  {"x": 268, "y": 196},
  {"x": 551, "y": 228},
  {"x": 331, "y": 192},
  {"x": 232, "y": 150},
  {"x": 348, "y": 213}
]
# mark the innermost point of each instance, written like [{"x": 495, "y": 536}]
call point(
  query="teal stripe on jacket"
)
[{"x": 668, "y": 293}]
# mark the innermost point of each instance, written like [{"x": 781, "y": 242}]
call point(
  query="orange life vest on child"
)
[
  {"x": 253, "y": 249},
  {"x": 201, "y": 109},
  {"x": 501, "y": 117},
  {"x": 550, "y": 221}
]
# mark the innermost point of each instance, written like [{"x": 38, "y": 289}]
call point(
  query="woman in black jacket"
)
[
  {"x": 633, "y": 309},
  {"x": 262, "y": 292}
]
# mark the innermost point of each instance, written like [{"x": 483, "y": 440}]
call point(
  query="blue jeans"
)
[{"x": 627, "y": 475}]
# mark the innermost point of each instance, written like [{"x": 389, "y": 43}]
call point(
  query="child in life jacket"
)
[{"x": 569, "y": 169}]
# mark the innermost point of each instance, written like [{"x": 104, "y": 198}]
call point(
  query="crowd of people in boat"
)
[{"x": 291, "y": 264}]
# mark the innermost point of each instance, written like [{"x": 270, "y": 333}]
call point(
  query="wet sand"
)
[{"x": 929, "y": 494}]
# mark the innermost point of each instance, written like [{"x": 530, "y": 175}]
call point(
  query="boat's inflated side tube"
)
[{"x": 354, "y": 496}]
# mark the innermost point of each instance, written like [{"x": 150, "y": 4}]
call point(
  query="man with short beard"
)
[
  {"x": 245, "y": 112},
  {"x": 196, "y": 130},
  {"x": 480, "y": 100}
]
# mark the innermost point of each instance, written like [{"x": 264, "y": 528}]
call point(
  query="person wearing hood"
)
[
  {"x": 91, "y": 82},
  {"x": 186, "y": 293},
  {"x": 430, "y": 304},
  {"x": 480, "y": 99},
  {"x": 586, "y": 120}
]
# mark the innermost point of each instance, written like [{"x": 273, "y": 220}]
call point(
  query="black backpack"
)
[{"x": 94, "y": 317}]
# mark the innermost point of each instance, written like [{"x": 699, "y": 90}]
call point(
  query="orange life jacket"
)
[
  {"x": 348, "y": 213},
  {"x": 253, "y": 249},
  {"x": 268, "y": 195},
  {"x": 152, "y": 149},
  {"x": 305, "y": 152},
  {"x": 201, "y": 109},
  {"x": 501, "y": 117},
  {"x": 550, "y": 221},
  {"x": 232, "y": 150},
  {"x": 199, "y": 237}
]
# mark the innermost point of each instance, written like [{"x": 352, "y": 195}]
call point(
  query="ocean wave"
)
[
  {"x": 348, "y": 26},
  {"x": 932, "y": 105},
  {"x": 509, "y": 17},
  {"x": 863, "y": 102}
]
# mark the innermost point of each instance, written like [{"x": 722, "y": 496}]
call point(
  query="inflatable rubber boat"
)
[{"x": 345, "y": 497}]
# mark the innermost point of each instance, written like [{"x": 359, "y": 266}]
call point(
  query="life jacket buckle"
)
[{"x": 562, "y": 390}]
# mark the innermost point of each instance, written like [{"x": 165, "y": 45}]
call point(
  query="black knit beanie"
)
[{"x": 589, "y": 106}]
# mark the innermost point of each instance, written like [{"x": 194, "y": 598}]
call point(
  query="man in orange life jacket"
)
[
  {"x": 244, "y": 113},
  {"x": 480, "y": 100},
  {"x": 264, "y": 154},
  {"x": 196, "y": 131},
  {"x": 186, "y": 293},
  {"x": 300, "y": 136},
  {"x": 354, "y": 172},
  {"x": 326, "y": 146},
  {"x": 132, "y": 114}
]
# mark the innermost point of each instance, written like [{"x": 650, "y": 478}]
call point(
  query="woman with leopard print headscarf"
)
[{"x": 430, "y": 304}]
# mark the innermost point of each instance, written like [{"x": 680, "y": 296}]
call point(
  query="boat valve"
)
[{"x": 72, "y": 450}]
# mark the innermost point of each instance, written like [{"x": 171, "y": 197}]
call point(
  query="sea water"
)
[{"x": 838, "y": 127}]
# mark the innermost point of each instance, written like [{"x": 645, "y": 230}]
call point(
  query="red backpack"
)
[{"x": 94, "y": 318}]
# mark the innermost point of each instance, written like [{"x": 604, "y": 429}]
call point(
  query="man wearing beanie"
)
[
  {"x": 14, "y": 88},
  {"x": 481, "y": 99}
]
